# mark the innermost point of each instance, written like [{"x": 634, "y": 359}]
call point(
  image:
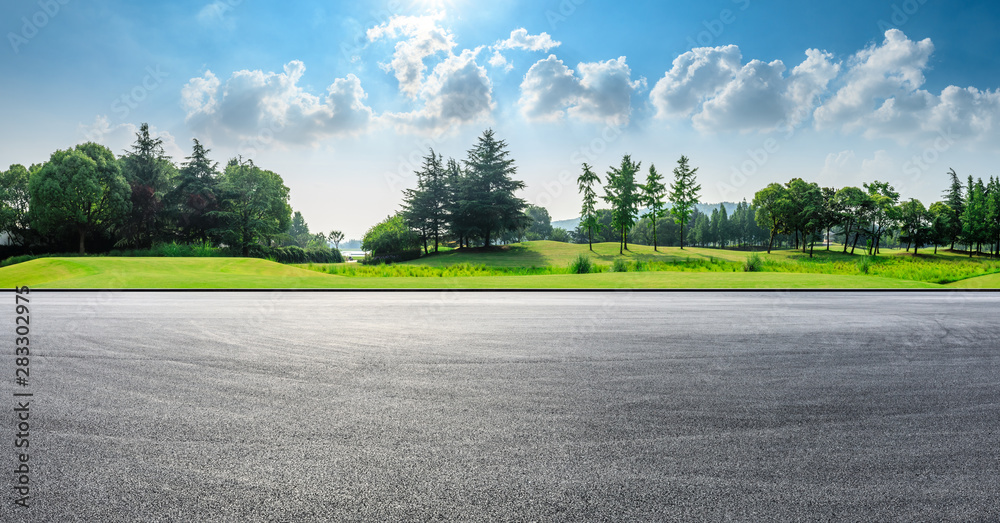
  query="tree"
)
[
  {"x": 254, "y": 206},
  {"x": 622, "y": 193},
  {"x": 683, "y": 193},
  {"x": 883, "y": 211},
  {"x": 589, "y": 222},
  {"x": 652, "y": 197},
  {"x": 196, "y": 195},
  {"x": 915, "y": 224},
  {"x": 853, "y": 204},
  {"x": 941, "y": 226},
  {"x": 493, "y": 208},
  {"x": 336, "y": 237},
  {"x": 540, "y": 227},
  {"x": 955, "y": 202},
  {"x": 298, "y": 231},
  {"x": 391, "y": 237},
  {"x": 559, "y": 235},
  {"x": 14, "y": 199},
  {"x": 804, "y": 212},
  {"x": 974, "y": 215},
  {"x": 426, "y": 207},
  {"x": 82, "y": 189},
  {"x": 770, "y": 203},
  {"x": 150, "y": 174}
]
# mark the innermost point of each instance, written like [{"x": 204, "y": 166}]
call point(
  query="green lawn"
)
[
  {"x": 529, "y": 265},
  {"x": 208, "y": 273}
]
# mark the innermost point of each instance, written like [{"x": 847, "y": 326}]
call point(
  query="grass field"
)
[{"x": 530, "y": 265}]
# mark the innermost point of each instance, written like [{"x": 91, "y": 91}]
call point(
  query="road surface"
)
[{"x": 507, "y": 406}]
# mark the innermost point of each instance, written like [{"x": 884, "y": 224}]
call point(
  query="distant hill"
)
[{"x": 705, "y": 208}]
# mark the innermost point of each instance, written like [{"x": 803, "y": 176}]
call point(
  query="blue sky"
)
[{"x": 342, "y": 98}]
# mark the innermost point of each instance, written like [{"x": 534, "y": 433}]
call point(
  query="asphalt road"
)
[{"x": 508, "y": 406}]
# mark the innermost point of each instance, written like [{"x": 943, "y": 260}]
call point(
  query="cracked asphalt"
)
[{"x": 508, "y": 406}]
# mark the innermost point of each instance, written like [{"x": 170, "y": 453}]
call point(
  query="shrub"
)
[
  {"x": 581, "y": 265},
  {"x": 640, "y": 266},
  {"x": 865, "y": 264},
  {"x": 754, "y": 263},
  {"x": 620, "y": 265}
]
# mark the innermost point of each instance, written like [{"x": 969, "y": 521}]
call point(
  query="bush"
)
[
  {"x": 387, "y": 259},
  {"x": 581, "y": 265},
  {"x": 620, "y": 265},
  {"x": 754, "y": 263},
  {"x": 865, "y": 264},
  {"x": 640, "y": 266},
  {"x": 390, "y": 238}
]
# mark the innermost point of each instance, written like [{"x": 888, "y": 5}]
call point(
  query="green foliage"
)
[
  {"x": 866, "y": 263},
  {"x": 560, "y": 235},
  {"x": 581, "y": 265},
  {"x": 619, "y": 265},
  {"x": 254, "y": 206},
  {"x": 81, "y": 189},
  {"x": 390, "y": 240},
  {"x": 490, "y": 206},
  {"x": 589, "y": 222},
  {"x": 14, "y": 199},
  {"x": 150, "y": 175},
  {"x": 622, "y": 193},
  {"x": 425, "y": 208},
  {"x": 540, "y": 227},
  {"x": 196, "y": 196},
  {"x": 684, "y": 193},
  {"x": 754, "y": 263}
]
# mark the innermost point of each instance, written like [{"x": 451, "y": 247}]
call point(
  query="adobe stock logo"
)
[{"x": 32, "y": 25}]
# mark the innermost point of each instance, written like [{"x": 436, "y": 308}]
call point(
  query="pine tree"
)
[
  {"x": 683, "y": 193},
  {"x": 589, "y": 222},
  {"x": 622, "y": 193},
  {"x": 425, "y": 208},
  {"x": 953, "y": 197},
  {"x": 196, "y": 195},
  {"x": 653, "y": 193},
  {"x": 149, "y": 173},
  {"x": 495, "y": 207}
]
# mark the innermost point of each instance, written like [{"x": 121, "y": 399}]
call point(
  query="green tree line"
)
[{"x": 85, "y": 199}]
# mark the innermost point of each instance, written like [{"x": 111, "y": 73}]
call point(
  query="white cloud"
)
[
  {"x": 695, "y": 76},
  {"x": 761, "y": 98},
  {"x": 500, "y": 62},
  {"x": 881, "y": 97},
  {"x": 520, "y": 39},
  {"x": 602, "y": 92},
  {"x": 265, "y": 107},
  {"x": 424, "y": 38},
  {"x": 457, "y": 92},
  {"x": 709, "y": 85},
  {"x": 120, "y": 137}
]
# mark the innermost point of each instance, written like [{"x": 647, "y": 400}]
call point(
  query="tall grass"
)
[{"x": 581, "y": 265}]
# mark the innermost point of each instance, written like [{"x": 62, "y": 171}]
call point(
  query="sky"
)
[{"x": 343, "y": 99}]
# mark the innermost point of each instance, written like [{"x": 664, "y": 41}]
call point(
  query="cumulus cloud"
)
[
  {"x": 254, "y": 105},
  {"x": 520, "y": 39},
  {"x": 423, "y": 37},
  {"x": 602, "y": 91},
  {"x": 695, "y": 76},
  {"x": 121, "y": 136},
  {"x": 882, "y": 97},
  {"x": 500, "y": 62},
  {"x": 710, "y": 84},
  {"x": 458, "y": 91},
  {"x": 760, "y": 97}
]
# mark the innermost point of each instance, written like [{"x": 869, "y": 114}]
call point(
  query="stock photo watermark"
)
[{"x": 32, "y": 25}]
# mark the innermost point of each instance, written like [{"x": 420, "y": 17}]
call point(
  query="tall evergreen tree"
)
[
  {"x": 653, "y": 192},
  {"x": 196, "y": 195},
  {"x": 622, "y": 193},
  {"x": 425, "y": 208},
  {"x": 956, "y": 202},
  {"x": 495, "y": 207},
  {"x": 150, "y": 175},
  {"x": 589, "y": 221},
  {"x": 683, "y": 193}
]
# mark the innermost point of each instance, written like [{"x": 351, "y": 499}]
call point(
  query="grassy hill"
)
[{"x": 528, "y": 265}]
